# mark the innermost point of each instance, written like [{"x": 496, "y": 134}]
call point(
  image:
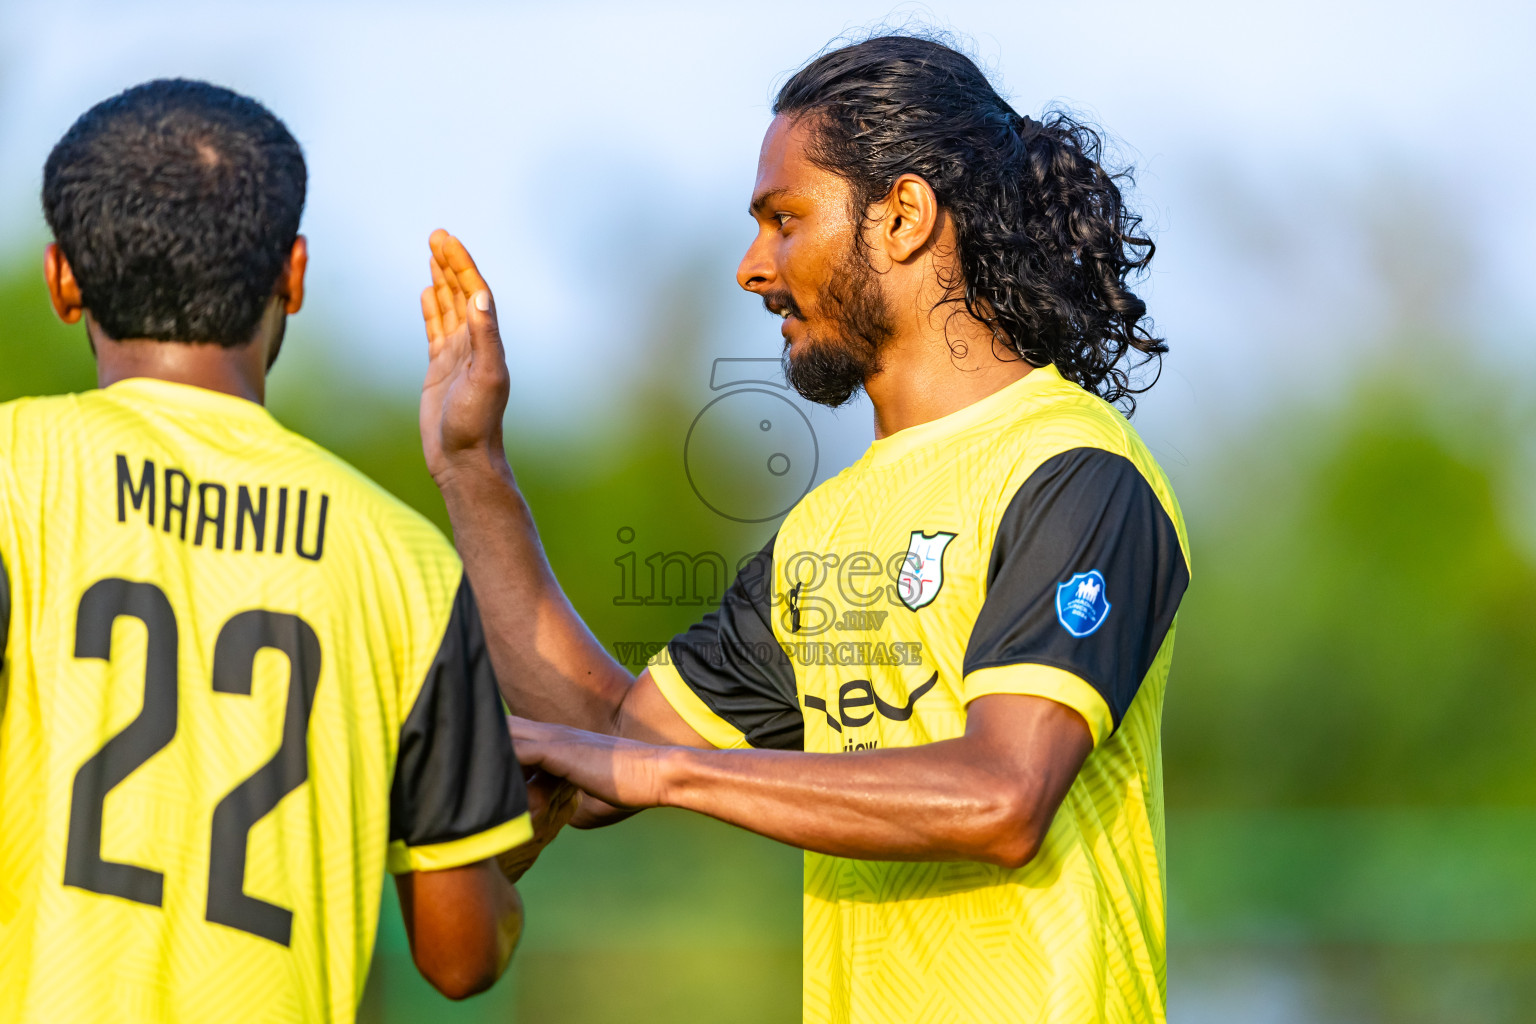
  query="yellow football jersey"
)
[
  {"x": 1027, "y": 544},
  {"x": 240, "y": 681}
]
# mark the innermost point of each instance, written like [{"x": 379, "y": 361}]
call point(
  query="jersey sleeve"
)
[
  {"x": 458, "y": 793},
  {"x": 728, "y": 677},
  {"x": 1084, "y": 580}
]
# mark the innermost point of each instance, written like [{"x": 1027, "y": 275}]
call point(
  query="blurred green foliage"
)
[
  {"x": 1359, "y": 631},
  {"x": 1348, "y": 740},
  {"x": 38, "y": 354}
]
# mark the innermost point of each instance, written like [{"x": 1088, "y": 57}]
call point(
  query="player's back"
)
[{"x": 221, "y": 639}]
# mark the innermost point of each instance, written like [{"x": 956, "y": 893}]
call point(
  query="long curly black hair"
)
[{"x": 1046, "y": 241}]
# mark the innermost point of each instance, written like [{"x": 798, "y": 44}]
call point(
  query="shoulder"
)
[
  {"x": 384, "y": 522},
  {"x": 32, "y": 429},
  {"x": 21, "y": 418},
  {"x": 1056, "y": 418},
  {"x": 1060, "y": 424}
]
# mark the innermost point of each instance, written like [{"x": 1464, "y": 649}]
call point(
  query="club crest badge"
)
[
  {"x": 922, "y": 574},
  {"x": 1081, "y": 605}
]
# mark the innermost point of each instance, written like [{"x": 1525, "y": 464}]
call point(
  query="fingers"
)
[
  {"x": 432, "y": 317},
  {"x": 525, "y": 740},
  {"x": 485, "y": 332},
  {"x": 462, "y": 265},
  {"x": 480, "y": 309},
  {"x": 444, "y": 296},
  {"x": 450, "y": 294},
  {"x": 458, "y": 271},
  {"x": 525, "y": 730},
  {"x": 553, "y": 804},
  {"x": 440, "y": 242}
]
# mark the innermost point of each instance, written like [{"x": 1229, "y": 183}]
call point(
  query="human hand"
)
[
  {"x": 464, "y": 395},
  {"x": 551, "y": 803},
  {"x": 620, "y": 772}
]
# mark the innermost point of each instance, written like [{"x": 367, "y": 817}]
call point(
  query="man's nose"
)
[{"x": 755, "y": 272}]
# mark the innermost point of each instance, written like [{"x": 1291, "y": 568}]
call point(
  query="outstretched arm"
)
[
  {"x": 989, "y": 795},
  {"x": 549, "y": 665}
]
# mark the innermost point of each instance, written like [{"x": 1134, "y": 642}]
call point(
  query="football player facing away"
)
[
  {"x": 976, "y": 780},
  {"x": 241, "y": 682}
]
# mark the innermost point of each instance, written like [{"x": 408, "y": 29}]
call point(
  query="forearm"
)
[
  {"x": 989, "y": 795},
  {"x": 549, "y": 665},
  {"x": 926, "y": 803},
  {"x": 462, "y": 924}
]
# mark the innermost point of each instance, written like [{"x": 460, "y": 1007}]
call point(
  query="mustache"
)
[{"x": 780, "y": 302}]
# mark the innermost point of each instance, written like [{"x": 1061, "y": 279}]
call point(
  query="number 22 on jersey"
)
[{"x": 234, "y": 657}]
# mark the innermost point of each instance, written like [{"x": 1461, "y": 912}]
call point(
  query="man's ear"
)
[
  {"x": 291, "y": 284},
  {"x": 911, "y": 218},
  {"x": 63, "y": 289}
]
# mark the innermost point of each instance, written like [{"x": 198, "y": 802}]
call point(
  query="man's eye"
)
[{"x": 782, "y": 218}]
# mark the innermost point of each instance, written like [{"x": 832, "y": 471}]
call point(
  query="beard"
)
[{"x": 834, "y": 362}]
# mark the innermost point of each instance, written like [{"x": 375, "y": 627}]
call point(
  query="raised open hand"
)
[{"x": 464, "y": 395}]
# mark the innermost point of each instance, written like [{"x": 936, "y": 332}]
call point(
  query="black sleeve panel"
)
[
  {"x": 1086, "y": 574},
  {"x": 456, "y": 774},
  {"x": 732, "y": 661}
]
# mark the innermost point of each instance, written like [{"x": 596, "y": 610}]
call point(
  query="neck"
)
[
  {"x": 238, "y": 371},
  {"x": 935, "y": 368}
]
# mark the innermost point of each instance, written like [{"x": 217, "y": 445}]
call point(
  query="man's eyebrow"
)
[{"x": 765, "y": 197}]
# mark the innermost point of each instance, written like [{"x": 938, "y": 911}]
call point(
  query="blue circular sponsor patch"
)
[{"x": 1081, "y": 605}]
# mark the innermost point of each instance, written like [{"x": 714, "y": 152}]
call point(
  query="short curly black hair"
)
[
  {"x": 1046, "y": 241},
  {"x": 177, "y": 204}
]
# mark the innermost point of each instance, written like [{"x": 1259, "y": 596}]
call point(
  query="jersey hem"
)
[
  {"x": 700, "y": 716},
  {"x": 1059, "y": 685},
  {"x": 458, "y": 852}
]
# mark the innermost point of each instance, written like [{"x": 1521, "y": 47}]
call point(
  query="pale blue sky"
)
[{"x": 591, "y": 153}]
